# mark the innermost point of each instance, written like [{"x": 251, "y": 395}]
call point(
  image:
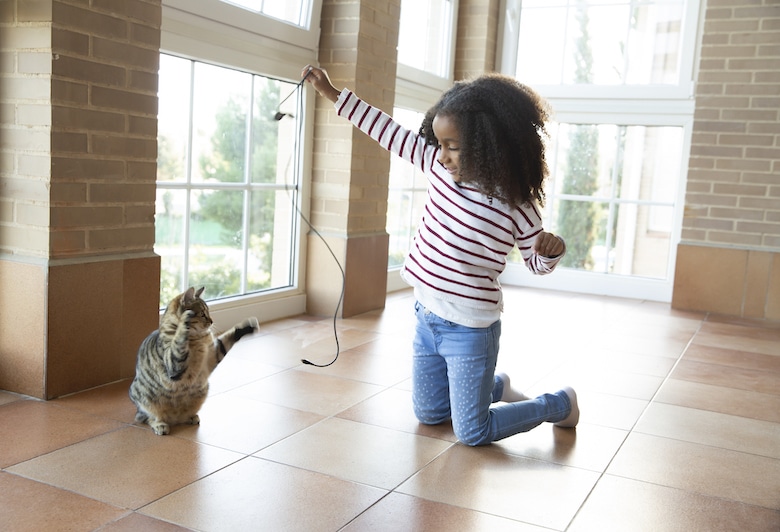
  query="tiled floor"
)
[{"x": 680, "y": 430}]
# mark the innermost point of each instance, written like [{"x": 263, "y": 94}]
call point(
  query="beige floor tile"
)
[
  {"x": 32, "y": 428},
  {"x": 697, "y": 468},
  {"x": 136, "y": 522},
  {"x": 29, "y": 506},
  {"x": 584, "y": 377},
  {"x": 314, "y": 341},
  {"x": 398, "y": 512},
  {"x": 506, "y": 485},
  {"x": 234, "y": 372},
  {"x": 610, "y": 410},
  {"x": 733, "y": 358},
  {"x": 600, "y": 359},
  {"x": 625, "y": 505},
  {"x": 728, "y": 376},
  {"x": 751, "y": 344},
  {"x": 309, "y": 392},
  {"x": 244, "y": 425},
  {"x": 110, "y": 401},
  {"x": 587, "y": 447},
  {"x": 744, "y": 403},
  {"x": 646, "y": 343},
  {"x": 255, "y": 494},
  {"x": 128, "y": 467},
  {"x": 353, "y": 451},
  {"x": 747, "y": 328},
  {"x": 392, "y": 409},
  {"x": 379, "y": 362},
  {"x": 8, "y": 397},
  {"x": 712, "y": 428}
]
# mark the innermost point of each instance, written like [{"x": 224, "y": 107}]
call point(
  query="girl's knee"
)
[
  {"x": 472, "y": 438},
  {"x": 427, "y": 418}
]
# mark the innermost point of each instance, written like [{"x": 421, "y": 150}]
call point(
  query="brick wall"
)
[
  {"x": 104, "y": 126},
  {"x": 350, "y": 171},
  {"x": 78, "y": 149},
  {"x": 477, "y": 34},
  {"x": 733, "y": 191},
  {"x": 358, "y": 48},
  {"x": 729, "y": 259},
  {"x": 25, "y": 123}
]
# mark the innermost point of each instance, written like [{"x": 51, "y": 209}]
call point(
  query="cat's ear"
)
[
  {"x": 189, "y": 295},
  {"x": 200, "y": 291}
]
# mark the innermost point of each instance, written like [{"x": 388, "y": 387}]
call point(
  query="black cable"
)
[{"x": 278, "y": 116}]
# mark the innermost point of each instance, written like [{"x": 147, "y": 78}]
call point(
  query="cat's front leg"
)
[
  {"x": 161, "y": 428},
  {"x": 248, "y": 326},
  {"x": 176, "y": 358}
]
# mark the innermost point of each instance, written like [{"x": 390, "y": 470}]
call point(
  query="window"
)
[
  {"x": 426, "y": 39},
  {"x": 230, "y": 173},
  {"x": 225, "y": 181},
  {"x": 619, "y": 77},
  {"x": 294, "y": 12},
  {"x": 406, "y": 196},
  {"x": 425, "y": 36}
]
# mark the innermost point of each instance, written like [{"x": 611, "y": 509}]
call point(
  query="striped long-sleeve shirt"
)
[{"x": 463, "y": 239}]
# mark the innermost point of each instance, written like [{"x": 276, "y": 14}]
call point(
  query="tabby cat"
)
[{"x": 174, "y": 363}]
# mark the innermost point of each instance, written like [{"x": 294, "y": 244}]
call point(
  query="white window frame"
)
[
  {"x": 227, "y": 35},
  {"x": 656, "y": 105}
]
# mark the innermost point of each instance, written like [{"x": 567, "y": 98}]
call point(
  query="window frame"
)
[{"x": 209, "y": 32}]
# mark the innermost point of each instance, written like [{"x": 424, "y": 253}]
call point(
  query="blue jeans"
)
[{"x": 454, "y": 378}]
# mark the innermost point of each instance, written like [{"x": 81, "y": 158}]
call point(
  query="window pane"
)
[
  {"x": 273, "y": 140},
  {"x": 292, "y": 11},
  {"x": 169, "y": 229},
  {"x": 216, "y": 241},
  {"x": 424, "y": 35},
  {"x": 173, "y": 118},
  {"x": 271, "y": 239},
  {"x": 604, "y": 43},
  {"x": 642, "y": 241},
  {"x": 611, "y": 196},
  {"x": 220, "y": 110}
]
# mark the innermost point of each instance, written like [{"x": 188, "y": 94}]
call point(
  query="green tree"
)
[{"x": 226, "y": 163}]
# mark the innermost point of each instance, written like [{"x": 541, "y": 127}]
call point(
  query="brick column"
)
[
  {"x": 729, "y": 259},
  {"x": 350, "y": 171},
  {"x": 78, "y": 131},
  {"x": 475, "y": 51}
]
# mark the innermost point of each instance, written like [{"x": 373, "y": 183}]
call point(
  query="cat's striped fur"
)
[{"x": 174, "y": 363}]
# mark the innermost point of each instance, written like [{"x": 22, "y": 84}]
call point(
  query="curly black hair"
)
[{"x": 501, "y": 123}]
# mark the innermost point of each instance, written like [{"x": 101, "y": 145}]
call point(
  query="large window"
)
[
  {"x": 230, "y": 159},
  {"x": 619, "y": 77},
  {"x": 225, "y": 181}
]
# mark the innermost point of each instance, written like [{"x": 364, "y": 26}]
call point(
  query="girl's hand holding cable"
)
[{"x": 321, "y": 82}]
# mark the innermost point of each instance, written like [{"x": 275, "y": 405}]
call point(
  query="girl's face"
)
[{"x": 449, "y": 144}]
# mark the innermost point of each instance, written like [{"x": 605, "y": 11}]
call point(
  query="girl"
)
[{"x": 482, "y": 150}]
